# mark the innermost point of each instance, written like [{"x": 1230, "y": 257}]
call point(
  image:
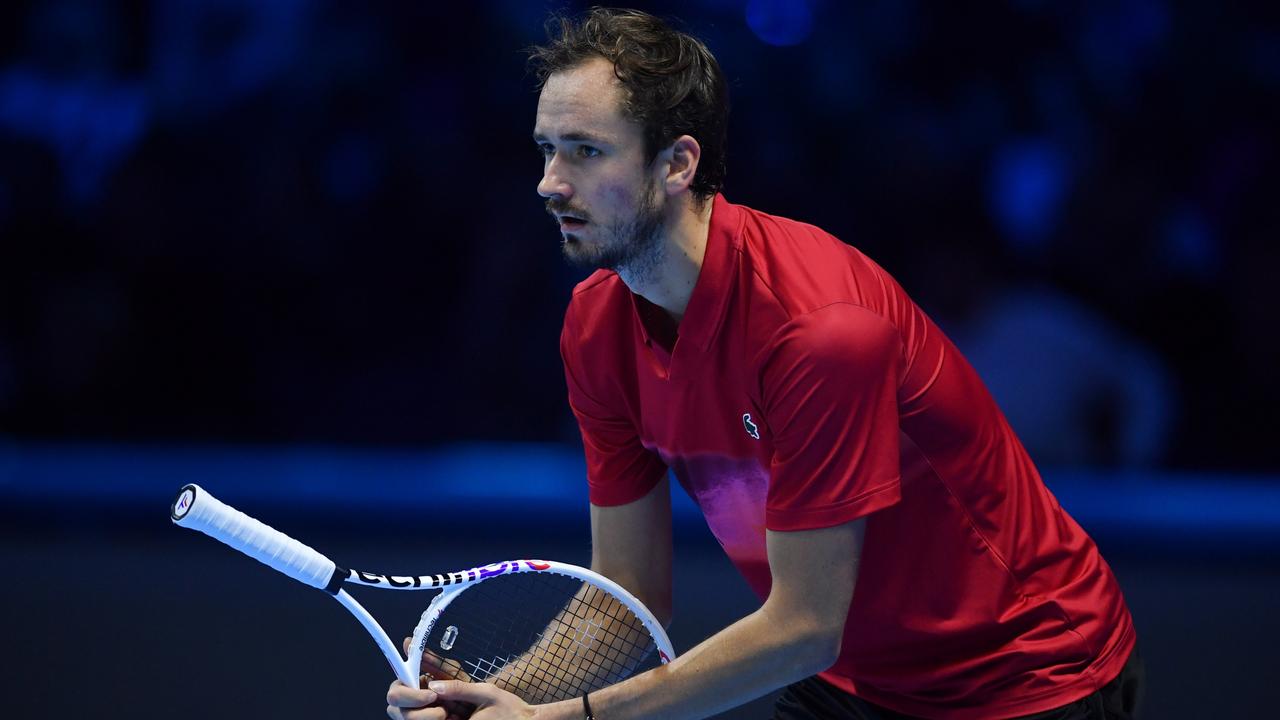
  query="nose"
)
[{"x": 553, "y": 184}]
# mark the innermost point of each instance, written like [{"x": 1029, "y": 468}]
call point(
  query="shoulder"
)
[
  {"x": 594, "y": 301},
  {"x": 596, "y": 338},
  {"x": 805, "y": 267},
  {"x": 841, "y": 335},
  {"x": 829, "y": 364},
  {"x": 599, "y": 281},
  {"x": 784, "y": 239}
]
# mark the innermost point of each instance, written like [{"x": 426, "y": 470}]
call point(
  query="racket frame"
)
[
  {"x": 196, "y": 509},
  {"x": 418, "y": 643}
]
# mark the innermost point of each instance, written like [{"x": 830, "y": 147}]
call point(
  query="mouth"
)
[{"x": 569, "y": 223}]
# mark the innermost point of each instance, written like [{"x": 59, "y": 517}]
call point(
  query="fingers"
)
[
  {"x": 443, "y": 668},
  {"x": 435, "y": 667},
  {"x": 435, "y": 713},
  {"x": 400, "y": 695},
  {"x": 475, "y": 693},
  {"x": 456, "y": 710}
]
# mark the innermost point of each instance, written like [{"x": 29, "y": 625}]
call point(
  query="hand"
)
[
  {"x": 436, "y": 667},
  {"x": 490, "y": 702},
  {"x": 433, "y": 668},
  {"x": 443, "y": 699},
  {"x": 406, "y": 703}
]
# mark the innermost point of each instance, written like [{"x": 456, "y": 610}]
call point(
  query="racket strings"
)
[
  {"x": 586, "y": 645},
  {"x": 593, "y": 643},
  {"x": 543, "y": 637}
]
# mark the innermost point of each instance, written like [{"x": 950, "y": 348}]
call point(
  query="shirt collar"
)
[
  {"x": 706, "y": 309},
  {"x": 705, "y": 312}
]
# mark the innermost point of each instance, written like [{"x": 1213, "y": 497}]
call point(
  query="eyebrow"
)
[{"x": 576, "y": 137}]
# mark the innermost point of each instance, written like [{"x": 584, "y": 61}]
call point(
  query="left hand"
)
[{"x": 491, "y": 703}]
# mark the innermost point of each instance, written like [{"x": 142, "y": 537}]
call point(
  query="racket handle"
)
[{"x": 196, "y": 509}]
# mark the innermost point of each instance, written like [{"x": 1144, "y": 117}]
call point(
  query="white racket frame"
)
[{"x": 196, "y": 509}]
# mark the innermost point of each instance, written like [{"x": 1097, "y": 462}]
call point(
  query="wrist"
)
[{"x": 564, "y": 710}]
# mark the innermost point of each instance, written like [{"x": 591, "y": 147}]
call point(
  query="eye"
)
[
  {"x": 546, "y": 150},
  {"x": 587, "y": 151}
]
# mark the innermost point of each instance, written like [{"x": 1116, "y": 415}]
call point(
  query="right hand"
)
[
  {"x": 438, "y": 668},
  {"x": 433, "y": 668}
]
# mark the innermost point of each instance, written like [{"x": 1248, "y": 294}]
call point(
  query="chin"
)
[{"x": 583, "y": 256}]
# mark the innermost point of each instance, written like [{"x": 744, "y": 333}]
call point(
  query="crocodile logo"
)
[{"x": 752, "y": 429}]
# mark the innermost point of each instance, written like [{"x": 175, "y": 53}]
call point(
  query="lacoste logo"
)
[{"x": 752, "y": 429}]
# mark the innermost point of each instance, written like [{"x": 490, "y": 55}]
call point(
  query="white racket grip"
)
[{"x": 196, "y": 509}]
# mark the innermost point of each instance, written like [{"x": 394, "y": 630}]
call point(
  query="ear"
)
[{"x": 681, "y": 161}]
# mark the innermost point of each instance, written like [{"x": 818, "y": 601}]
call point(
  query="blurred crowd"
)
[{"x": 314, "y": 221}]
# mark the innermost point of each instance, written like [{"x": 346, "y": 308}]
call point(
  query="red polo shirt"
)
[{"x": 804, "y": 390}]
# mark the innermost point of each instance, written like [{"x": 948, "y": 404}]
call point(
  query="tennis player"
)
[{"x": 909, "y": 559}]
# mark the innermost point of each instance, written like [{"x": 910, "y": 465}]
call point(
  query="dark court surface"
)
[{"x": 152, "y": 621}]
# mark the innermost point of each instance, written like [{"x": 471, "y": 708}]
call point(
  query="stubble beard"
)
[{"x": 631, "y": 247}]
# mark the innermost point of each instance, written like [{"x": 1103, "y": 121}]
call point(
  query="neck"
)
[{"x": 669, "y": 281}]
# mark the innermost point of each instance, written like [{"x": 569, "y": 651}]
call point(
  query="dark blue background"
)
[{"x": 292, "y": 250}]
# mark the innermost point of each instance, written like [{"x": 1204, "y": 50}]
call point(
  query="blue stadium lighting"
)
[
  {"x": 509, "y": 480},
  {"x": 781, "y": 22},
  {"x": 1026, "y": 186}
]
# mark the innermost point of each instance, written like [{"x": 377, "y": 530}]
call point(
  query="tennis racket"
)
[{"x": 543, "y": 630}]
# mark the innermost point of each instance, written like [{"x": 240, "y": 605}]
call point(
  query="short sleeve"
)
[
  {"x": 619, "y": 468},
  {"x": 829, "y": 385}
]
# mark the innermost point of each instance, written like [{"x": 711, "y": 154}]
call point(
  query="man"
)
[{"x": 828, "y": 430}]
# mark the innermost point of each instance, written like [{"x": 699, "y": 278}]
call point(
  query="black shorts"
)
[{"x": 815, "y": 699}]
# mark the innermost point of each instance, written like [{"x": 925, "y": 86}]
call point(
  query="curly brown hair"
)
[{"x": 672, "y": 83}]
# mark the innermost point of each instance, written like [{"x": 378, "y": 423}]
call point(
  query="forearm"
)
[
  {"x": 754, "y": 656},
  {"x": 795, "y": 634},
  {"x": 594, "y": 639},
  {"x": 631, "y": 545}
]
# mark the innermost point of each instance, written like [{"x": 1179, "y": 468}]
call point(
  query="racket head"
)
[{"x": 543, "y": 630}]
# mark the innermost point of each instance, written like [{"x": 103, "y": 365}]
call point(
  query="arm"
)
[
  {"x": 796, "y": 633},
  {"x": 631, "y": 545},
  {"x": 829, "y": 382}
]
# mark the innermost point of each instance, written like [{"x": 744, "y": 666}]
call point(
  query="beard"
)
[{"x": 630, "y": 245}]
